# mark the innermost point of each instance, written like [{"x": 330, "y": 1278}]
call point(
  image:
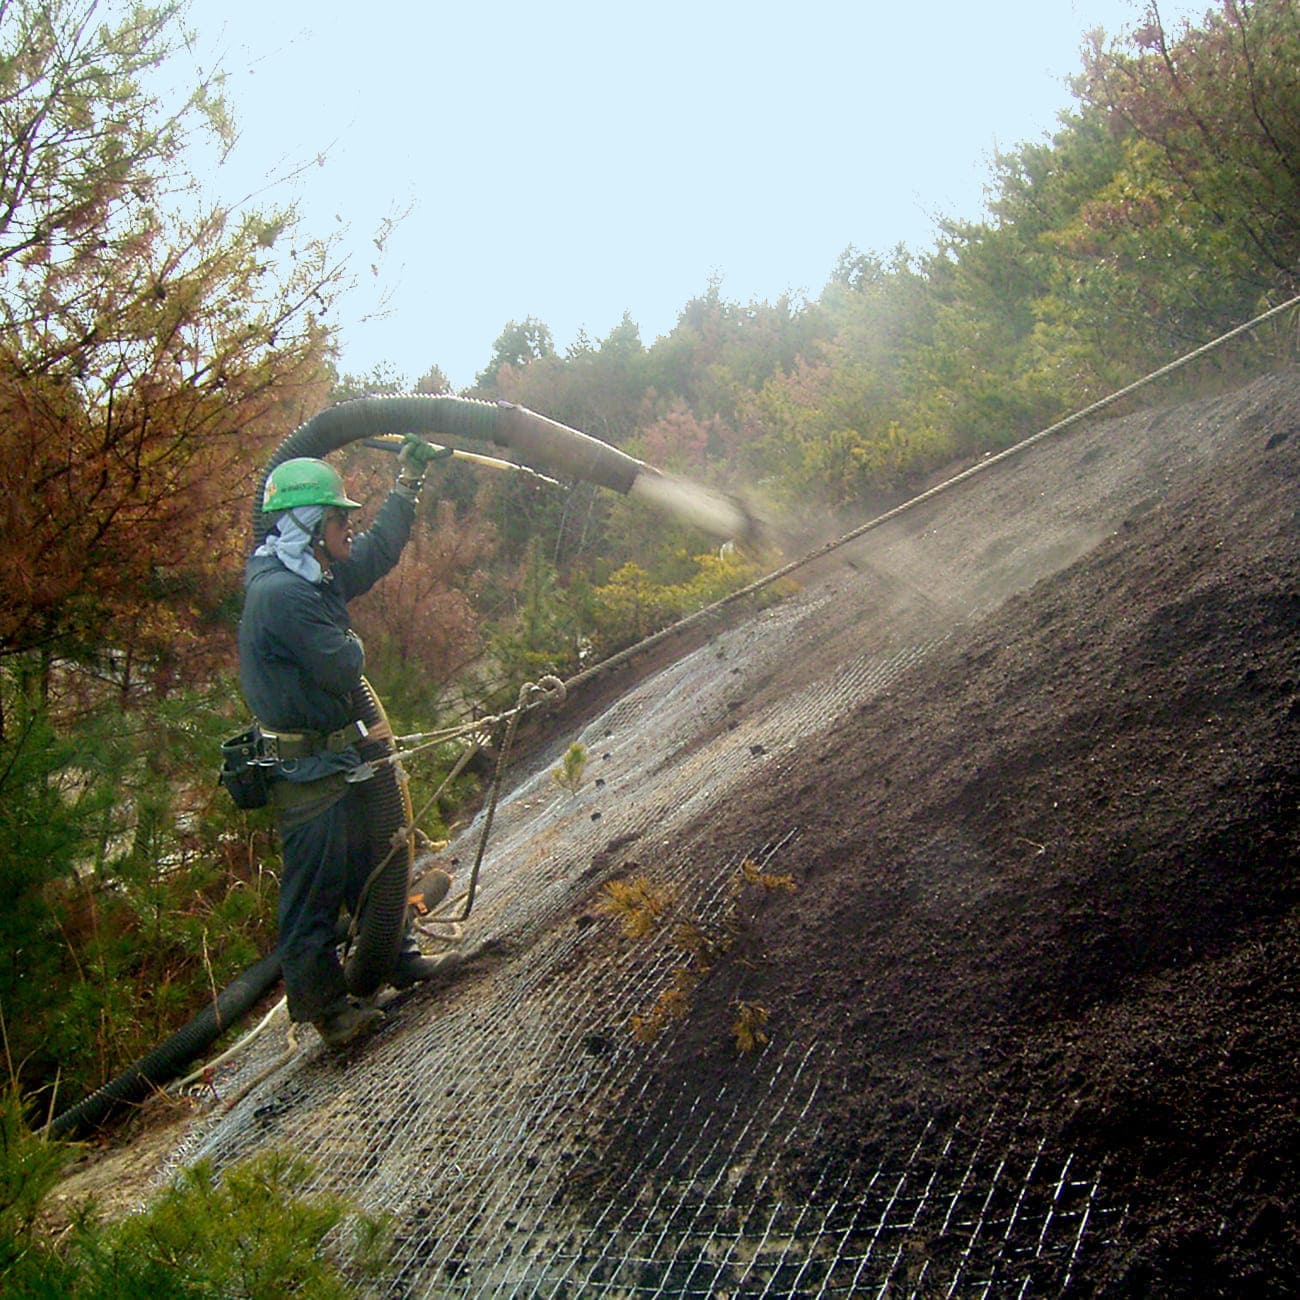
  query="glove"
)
[{"x": 416, "y": 455}]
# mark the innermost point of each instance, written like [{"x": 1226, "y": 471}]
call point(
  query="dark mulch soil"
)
[{"x": 1056, "y": 864}]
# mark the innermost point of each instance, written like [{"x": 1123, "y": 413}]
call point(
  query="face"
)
[{"x": 336, "y": 536}]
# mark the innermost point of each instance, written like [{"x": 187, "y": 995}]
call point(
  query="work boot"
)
[
  {"x": 413, "y": 967},
  {"x": 347, "y": 1021}
]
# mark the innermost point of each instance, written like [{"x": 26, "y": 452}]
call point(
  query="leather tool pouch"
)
[{"x": 246, "y": 780}]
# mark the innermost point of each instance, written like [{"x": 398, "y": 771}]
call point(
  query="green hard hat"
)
[{"x": 304, "y": 481}]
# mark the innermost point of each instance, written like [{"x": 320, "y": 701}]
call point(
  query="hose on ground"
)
[{"x": 169, "y": 1058}]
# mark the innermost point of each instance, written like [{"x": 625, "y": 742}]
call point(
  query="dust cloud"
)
[{"x": 715, "y": 512}]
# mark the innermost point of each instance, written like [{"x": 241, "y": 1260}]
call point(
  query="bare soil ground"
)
[
  {"x": 1056, "y": 865},
  {"x": 115, "y": 1175}
]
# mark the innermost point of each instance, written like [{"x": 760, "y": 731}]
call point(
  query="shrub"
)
[{"x": 253, "y": 1233}]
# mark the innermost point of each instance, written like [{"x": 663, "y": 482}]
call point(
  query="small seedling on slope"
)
[
  {"x": 645, "y": 909},
  {"x": 572, "y": 770},
  {"x": 672, "y": 1004},
  {"x": 696, "y": 943},
  {"x": 752, "y": 874}
]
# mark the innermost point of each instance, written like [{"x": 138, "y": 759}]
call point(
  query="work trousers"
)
[{"x": 327, "y": 859}]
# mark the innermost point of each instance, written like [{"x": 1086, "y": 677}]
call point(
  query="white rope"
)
[{"x": 203, "y": 1071}]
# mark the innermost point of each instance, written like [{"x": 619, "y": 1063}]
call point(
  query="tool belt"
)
[
  {"x": 283, "y": 745},
  {"x": 247, "y": 760}
]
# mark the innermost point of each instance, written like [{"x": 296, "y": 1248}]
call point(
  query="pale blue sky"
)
[{"x": 572, "y": 161}]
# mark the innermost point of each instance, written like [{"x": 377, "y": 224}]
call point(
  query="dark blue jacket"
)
[{"x": 299, "y": 659}]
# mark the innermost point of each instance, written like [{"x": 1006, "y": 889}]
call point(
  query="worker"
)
[{"x": 299, "y": 663}]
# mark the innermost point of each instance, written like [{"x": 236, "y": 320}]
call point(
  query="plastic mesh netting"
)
[{"x": 466, "y": 1115}]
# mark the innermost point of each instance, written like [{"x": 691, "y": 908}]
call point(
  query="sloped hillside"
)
[
  {"x": 1053, "y": 870},
  {"x": 1028, "y": 753}
]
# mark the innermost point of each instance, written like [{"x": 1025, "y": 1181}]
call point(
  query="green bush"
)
[
  {"x": 254, "y": 1233},
  {"x": 632, "y": 606},
  {"x": 134, "y": 889}
]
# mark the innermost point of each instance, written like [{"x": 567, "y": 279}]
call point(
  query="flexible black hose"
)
[
  {"x": 369, "y": 417},
  {"x": 382, "y": 919},
  {"x": 170, "y": 1057},
  {"x": 540, "y": 442}
]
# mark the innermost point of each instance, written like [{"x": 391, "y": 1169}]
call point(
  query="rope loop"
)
[{"x": 548, "y": 690}]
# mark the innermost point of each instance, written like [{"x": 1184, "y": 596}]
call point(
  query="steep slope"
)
[
  {"x": 1029, "y": 755},
  {"x": 1054, "y": 871}
]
